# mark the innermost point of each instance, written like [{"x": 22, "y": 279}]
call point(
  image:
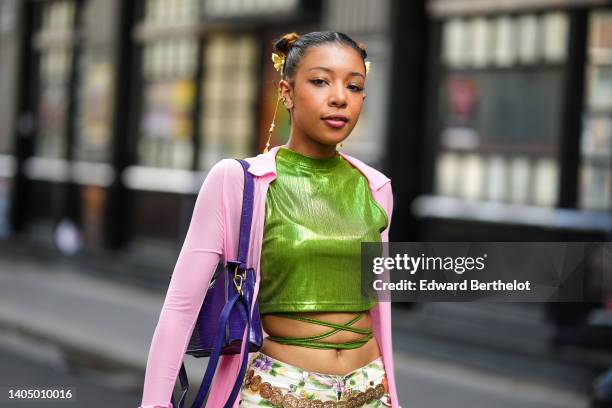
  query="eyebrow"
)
[{"x": 354, "y": 73}]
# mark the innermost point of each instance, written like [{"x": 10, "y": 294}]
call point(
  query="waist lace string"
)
[{"x": 310, "y": 340}]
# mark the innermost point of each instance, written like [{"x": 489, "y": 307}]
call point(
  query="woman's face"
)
[{"x": 329, "y": 81}]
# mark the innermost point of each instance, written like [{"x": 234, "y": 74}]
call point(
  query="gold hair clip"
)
[
  {"x": 367, "y": 66},
  {"x": 278, "y": 61}
]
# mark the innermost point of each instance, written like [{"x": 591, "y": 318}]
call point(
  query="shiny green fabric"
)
[{"x": 318, "y": 211}]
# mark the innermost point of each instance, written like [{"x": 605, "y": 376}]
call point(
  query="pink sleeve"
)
[
  {"x": 388, "y": 206},
  {"x": 197, "y": 261},
  {"x": 387, "y": 198}
]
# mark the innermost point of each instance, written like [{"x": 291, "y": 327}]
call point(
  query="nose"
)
[{"x": 337, "y": 98}]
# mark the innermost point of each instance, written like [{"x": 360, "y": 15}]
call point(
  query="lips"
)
[
  {"x": 336, "y": 118},
  {"x": 335, "y": 121}
]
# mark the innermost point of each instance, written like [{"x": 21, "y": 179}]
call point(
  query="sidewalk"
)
[
  {"x": 99, "y": 324},
  {"x": 80, "y": 312}
]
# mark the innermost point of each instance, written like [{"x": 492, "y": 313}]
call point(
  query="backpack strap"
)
[{"x": 243, "y": 249}]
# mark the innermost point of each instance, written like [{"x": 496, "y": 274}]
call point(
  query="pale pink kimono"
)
[{"x": 213, "y": 231}]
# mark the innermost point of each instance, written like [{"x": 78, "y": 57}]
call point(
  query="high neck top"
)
[
  {"x": 318, "y": 211},
  {"x": 286, "y": 156}
]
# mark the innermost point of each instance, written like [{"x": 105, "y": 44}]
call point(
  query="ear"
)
[
  {"x": 364, "y": 96},
  {"x": 285, "y": 91}
]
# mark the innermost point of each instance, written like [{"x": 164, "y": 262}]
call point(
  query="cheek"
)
[
  {"x": 357, "y": 103},
  {"x": 310, "y": 104}
]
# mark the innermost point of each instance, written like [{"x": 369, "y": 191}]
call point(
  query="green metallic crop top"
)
[{"x": 318, "y": 211}]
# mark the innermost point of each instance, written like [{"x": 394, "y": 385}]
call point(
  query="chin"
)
[
  {"x": 334, "y": 138},
  {"x": 327, "y": 139},
  {"x": 333, "y": 141}
]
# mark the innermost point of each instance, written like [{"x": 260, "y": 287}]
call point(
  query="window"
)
[
  {"x": 596, "y": 143},
  {"x": 8, "y": 56},
  {"x": 227, "y": 88},
  {"x": 171, "y": 12},
  {"x": 94, "y": 108},
  {"x": 224, "y": 8},
  {"x": 169, "y": 87},
  {"x": 229, "y": 91},
  {"x": 54, "y": 43},
  {"x": 500, "y": 108}
]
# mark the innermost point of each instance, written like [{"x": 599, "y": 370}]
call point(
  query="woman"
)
[{"x": 326, "y": 342}]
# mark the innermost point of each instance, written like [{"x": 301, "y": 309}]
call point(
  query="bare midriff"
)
[{"x": 327, "y": 361}]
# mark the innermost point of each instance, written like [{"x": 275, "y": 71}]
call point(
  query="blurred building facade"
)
[
  {"x": 518, "y": 128},
  {"x": 118, "y": 109},
  {"x": 493, "y": 119}
]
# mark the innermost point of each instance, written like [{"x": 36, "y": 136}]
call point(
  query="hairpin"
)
[{"x": 278, "y": 61}]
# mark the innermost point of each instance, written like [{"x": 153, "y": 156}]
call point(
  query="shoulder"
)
[
  {"x": 226, "y": 169},
  {"x": 376, "y": 177},
  {"x": 379, "y": 182},
  {"x": 225, "y": 176}
]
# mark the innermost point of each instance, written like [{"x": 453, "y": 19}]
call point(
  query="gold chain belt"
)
[{"x": 349, "y": 399}]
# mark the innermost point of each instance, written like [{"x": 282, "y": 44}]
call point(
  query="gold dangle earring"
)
[
  {"x": 272, "y": 124},
  {"x": 279, "y": 62}
]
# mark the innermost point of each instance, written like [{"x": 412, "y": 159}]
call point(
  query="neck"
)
[{"x": 311, "y": 148}]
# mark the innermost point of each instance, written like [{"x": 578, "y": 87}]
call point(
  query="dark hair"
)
[{"x": 293, "y": 46}]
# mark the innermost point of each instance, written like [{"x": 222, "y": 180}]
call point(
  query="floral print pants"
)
[{"x": 312, "y": 385}]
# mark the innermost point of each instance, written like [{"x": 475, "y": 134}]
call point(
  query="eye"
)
[
  {"x": 355, "y": 88},
  {"x": 318, "y": 81}
]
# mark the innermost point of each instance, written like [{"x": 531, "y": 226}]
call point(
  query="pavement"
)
[
  {"x": 80, "y": 387},
  {"x": 51, "y": 310},
  {"x": 93, "y": 323}
]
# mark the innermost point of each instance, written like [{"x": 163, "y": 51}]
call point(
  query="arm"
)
[{"x": 197, "y": 261}]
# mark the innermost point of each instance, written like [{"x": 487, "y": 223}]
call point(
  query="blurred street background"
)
[{"x": 493, "y": 120}]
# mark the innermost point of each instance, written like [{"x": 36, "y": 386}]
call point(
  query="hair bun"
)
[{"x": 286, "y": 42}]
